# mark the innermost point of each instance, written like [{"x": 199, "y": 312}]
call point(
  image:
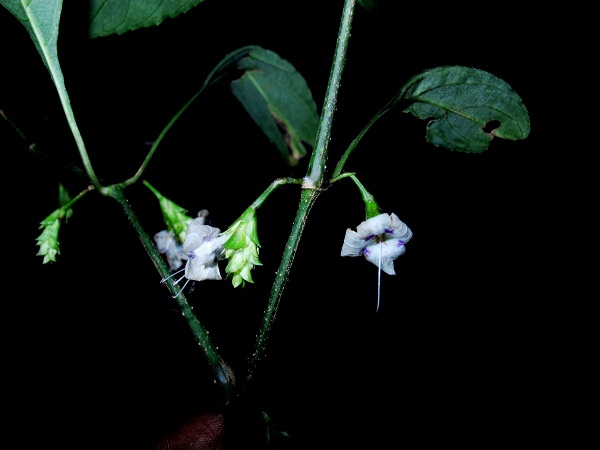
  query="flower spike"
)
[
  {"x": 241, "y": 248},
  {"x": 48, "y": 240}
]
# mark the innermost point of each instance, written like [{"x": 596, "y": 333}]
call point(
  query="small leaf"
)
[
  {"x": 118, "y": 16},
  {"x": 464, "y": 102},
  {"x": 278, "y": 99}
]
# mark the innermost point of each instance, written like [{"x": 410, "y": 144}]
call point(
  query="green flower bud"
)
[{"x": 241, "y": 248}]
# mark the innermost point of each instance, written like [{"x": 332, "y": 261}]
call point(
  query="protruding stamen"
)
[
  {"x": 177, "y": 282},
  {"x": 171, "y": 276},
  {"x": 181, "y": 290}
]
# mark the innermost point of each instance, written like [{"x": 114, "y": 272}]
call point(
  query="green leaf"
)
[
  {"x": 465, "y": 102},
  {"x": 118, "y": 16},
  {"x": 278, "y": 99},
  {"x": 41, "y": 18}
]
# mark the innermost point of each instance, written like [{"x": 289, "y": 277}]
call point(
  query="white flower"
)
[
  {"x": 169, "y": 244},
  {"x": 380, "y": 239},
  {"x": 204, "y": 248}
]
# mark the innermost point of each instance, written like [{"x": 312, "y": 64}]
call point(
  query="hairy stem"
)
[
  {"x": 312, "y": 183},
  {"x": 318, "y": 160},
  {"x": 340, "y": 165}
]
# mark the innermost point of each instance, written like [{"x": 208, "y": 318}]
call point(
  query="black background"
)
[{"x": 98, "y": 355}]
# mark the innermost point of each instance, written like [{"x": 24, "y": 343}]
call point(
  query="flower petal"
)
[
  {"x": 197, "y": 226},
  {"x": 375, "y": 225},
  {"x": 210, "y": 251},
  {"x": 353, "y": 244},
  {"x": 400, "y": 229},
  {"x": 197, "y": 234},
  {"x": 388, "y": 250},
  {"x": 196, "y": 271}
]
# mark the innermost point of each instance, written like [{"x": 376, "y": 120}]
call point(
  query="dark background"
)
[{"x": 98, "y": 355}]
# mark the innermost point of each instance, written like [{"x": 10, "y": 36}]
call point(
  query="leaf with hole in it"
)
[
  {"x": 463, "y": 103},
  {"x": 278, "y": 99},
  {"x": 118, "y": 16}
]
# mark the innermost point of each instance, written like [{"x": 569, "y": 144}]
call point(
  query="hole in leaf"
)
[{"x": 491, "y": 127}]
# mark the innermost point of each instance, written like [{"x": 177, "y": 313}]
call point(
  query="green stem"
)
[
  {"x": 318, "y": 160},
  {"x": 75, "y": 199},
  {"x": 87, "y": 164},
  {"x": 274, "y": 185},
  {"x": 214, "y": 76},
  {"x": 12, "y": 124},
  {"x": 158, "y": 140},
  {"x": 372, "y": 209},
  {"x": 223, "y": 375},
  {"x": 221, "y": 370},
  {"x": 311, "y": 186},
  {"x": 340, "y": 165},
  {"x": 307, "y": 200}
]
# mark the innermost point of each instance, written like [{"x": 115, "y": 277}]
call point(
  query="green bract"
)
[
  {"x": 175, "y": 216},
  {"x": 241, "y": 248}
]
